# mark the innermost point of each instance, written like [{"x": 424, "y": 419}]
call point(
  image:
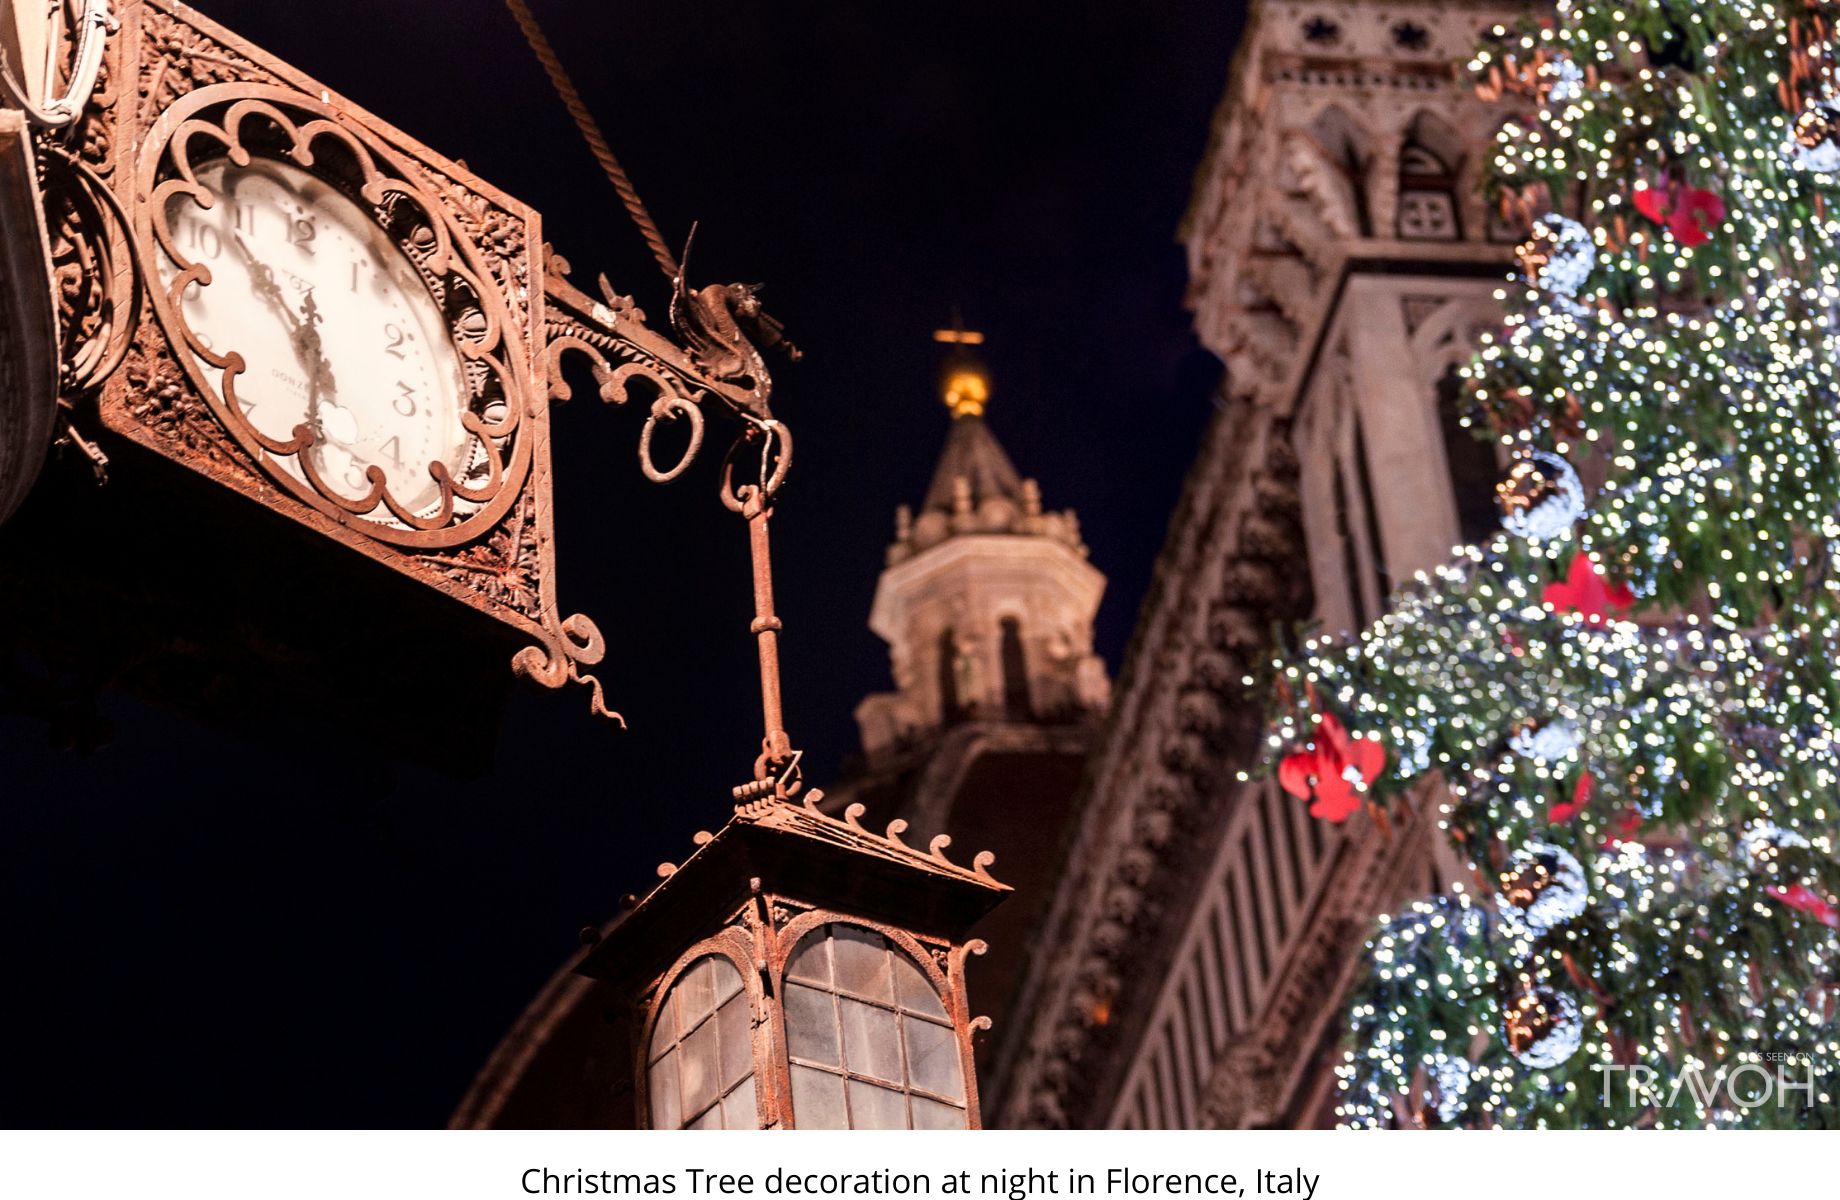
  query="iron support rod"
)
[{"x": 776, "y": 746}]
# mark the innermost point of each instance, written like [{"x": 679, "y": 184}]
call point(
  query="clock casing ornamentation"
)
[{"x": 373, "y": 362}]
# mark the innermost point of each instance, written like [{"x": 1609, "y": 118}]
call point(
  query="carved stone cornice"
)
[
  {"x": 1179, "y": 727},
  {"x": 1301, "y": 189}
]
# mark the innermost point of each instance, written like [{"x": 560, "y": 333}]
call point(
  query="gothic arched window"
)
[
  {"x": 870, "y": 1042},
  {"x": 1428, "y": 166},
  {"x": 1342, "y": 144},
  {"x": 1015, "y": 672},
  {"x": 701, "y": 1062}
]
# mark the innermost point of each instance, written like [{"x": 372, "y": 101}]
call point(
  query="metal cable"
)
[{"x": 591, "y": 133}]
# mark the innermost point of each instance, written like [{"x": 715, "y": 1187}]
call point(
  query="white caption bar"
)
[{"x": 991, "y": 1165}]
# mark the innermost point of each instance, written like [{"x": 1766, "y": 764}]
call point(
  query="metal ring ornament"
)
[
  {"x": 772, "y": 472},
  {"x": 667, "y": 408}
]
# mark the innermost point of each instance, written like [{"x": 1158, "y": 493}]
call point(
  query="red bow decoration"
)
[
  {"x": 1689, "y": 213},
  {"x": 1624, "y": 828},
  {"x": 1565, "y": 810},
  {"x": 1803, "y": 898},
  {"x": 1327, "y": 770},
  {"x": 1587, "y": 593}
]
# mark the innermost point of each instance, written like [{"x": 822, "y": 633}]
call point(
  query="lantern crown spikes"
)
[{"x": 773, "y": 844}]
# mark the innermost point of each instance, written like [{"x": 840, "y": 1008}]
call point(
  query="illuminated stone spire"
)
[{"x": 987, "y": 601}]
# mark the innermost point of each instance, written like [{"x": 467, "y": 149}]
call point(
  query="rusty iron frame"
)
[
  {"x": 165, "y": 75},
  {"x": 759, "y": 939},
  {"x": 127, "y": 359}
]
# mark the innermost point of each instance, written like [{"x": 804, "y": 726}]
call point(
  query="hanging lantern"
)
[
  {"x": 1541, "y": 497},
  {"x": 1558, "y": 255},
  {"x": 1814, "y": 137},
  {"x": 1546, "y": 885},
  {"x": 1542, "y": 1027},
  {"x": 801, "y": 971}
]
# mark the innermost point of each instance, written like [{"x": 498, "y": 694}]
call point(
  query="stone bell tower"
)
[{"x": 987, "y": 600}]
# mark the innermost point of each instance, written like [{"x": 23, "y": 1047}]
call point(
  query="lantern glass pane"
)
[
  {"x": 817, "y": 1100},
  {"x": 695, "y": 994},
  {"x": 874, "y": 1107},
  {"x": 862, "y": 964},
  {"x": 932, "y": 1059},
  {"x": 871, "y": 1041},
  {"x": 811, "y": 962},
  {"x": 702, "y": 1050},
  {"x": 667, "y": 1110},
  {"x": 735, "y": 1041},
  {"x": 913, "y": 990},
  {"x": 928, "y": 1115},
  {"x": 740, "y": 1110},
  {"x": 811, "y": 1026},
  {"x": 664, "y": 1034},
  {"x": 697, "y": 1061}
]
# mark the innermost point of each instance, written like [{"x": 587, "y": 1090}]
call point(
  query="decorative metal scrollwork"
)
[
  {"x": 93, "y": 272},
  {"x": 719, "y": 359},
  {"x": 561, "y": 660}
]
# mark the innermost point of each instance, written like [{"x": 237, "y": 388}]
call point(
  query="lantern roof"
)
[{"x": 790, "y": 849}]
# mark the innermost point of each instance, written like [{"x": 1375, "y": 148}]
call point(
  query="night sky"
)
[{"x": 202, "y": 931}]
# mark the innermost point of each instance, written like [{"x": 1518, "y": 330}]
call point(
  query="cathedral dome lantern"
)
[{"x": 987, "y": 600}]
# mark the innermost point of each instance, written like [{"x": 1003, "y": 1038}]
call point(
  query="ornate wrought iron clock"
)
[
  {"x": 346, "y": 336},
  {"x": 281, "y": 292}
]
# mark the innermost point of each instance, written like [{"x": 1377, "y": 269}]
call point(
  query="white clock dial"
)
[{"x": 336, "y": 328}]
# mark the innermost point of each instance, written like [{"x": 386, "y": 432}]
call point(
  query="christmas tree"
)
[{"x": 1629, "y": 693}]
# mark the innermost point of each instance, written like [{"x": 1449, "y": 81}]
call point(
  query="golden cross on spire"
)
[{"x": 964, "y": 382}]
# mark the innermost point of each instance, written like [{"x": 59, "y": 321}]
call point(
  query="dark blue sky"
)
[{"x": 203, "y": 930}]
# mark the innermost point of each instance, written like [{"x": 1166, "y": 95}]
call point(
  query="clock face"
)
[{"x": 339, "y": 336}]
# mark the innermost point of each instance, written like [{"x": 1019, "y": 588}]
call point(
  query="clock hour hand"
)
[{"x": 262, "y": 277}]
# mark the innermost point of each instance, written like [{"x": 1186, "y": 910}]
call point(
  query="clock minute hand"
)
[
  {"x": 310, "y": 343},
  {"x": 321, "y": 376}
]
